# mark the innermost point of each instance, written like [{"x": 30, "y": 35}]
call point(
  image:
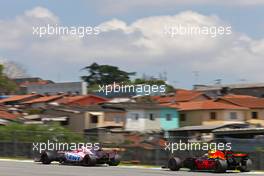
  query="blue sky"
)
[{"x": 246, "y": 19}]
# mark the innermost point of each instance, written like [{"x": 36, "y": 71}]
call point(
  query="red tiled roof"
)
[
  {"x": 139, "y": 141},
  {"x": 2, "y": 108},
  {"x": 244, "y": 101},
  {"x": 205, "y": 105},
  {"x": 44, "y": 99},
  {"x": 7, "y": 115},
  {"x": 186, "y": 95},
  {"x": 134, "y": 138},
  {"x": 17, "y": 98},
  {"x": 82, "y": 100},
  {"x": 168, "y": 105},
  {"x": 180, "y": 96},
  {"x": 28, "y": 83},
  {"x": 164, "y": 99},
  {"x": 171, "y": 105},
  {"x": 66, "y": 100}
]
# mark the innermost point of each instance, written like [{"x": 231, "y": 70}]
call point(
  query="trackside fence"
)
[{"x": 134, "y": 148}]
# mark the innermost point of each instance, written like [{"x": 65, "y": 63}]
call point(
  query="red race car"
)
[{"x": 214, "y": 160}]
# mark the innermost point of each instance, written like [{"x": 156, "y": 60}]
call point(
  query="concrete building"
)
[
  {"x": 141, "y": 117},
  {"x": 255, "y": 112},
  {"x": 209, "y": 113},
  {"x": 80, "y": 119},
  {"x": 169, "y": 118},
  {"x": 254, "y": 89},
  {"x": 79, "y": 88}
]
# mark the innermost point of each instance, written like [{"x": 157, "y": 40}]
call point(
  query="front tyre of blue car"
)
[{"x": 46, "y": 157}]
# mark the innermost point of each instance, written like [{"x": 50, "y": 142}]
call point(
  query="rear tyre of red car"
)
[
  {"x": 221, "y": 166},
  {"x": 246, "y": 165},
  {"x": 114, "y": 161},
  {"x": 174, "y": 164},
  {"x": 89, "y": 160}
]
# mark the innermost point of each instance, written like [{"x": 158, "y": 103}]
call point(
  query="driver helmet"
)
[{"x": 213, "y": 153}]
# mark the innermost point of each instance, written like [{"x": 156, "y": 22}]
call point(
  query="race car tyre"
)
[
  {"x": 246, "y": 165},
  {"x": 62, "y": 160},
  {"x": 174, "y": 164},
  {"x": 47, "y": 157},
  {"x": 221, "y": 166},
  {"x": 114, "y": 161},
  {"x": 89, "y": 160}
]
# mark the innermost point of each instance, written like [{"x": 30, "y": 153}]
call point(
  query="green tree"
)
[
  {"x": 6, "y": 85},
  {"x": 105, "y": 74}
]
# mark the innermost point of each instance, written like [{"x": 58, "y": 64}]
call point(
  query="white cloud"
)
[
  {"x": 40, "y": 12},
  {"x": 140, "y": 46}
]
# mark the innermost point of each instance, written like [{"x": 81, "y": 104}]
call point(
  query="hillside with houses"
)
[{"x": 193, "y": 113}]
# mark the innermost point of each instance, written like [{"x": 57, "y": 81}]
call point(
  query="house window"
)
[
  {"x": 117, "y": 119},
  {"x": 135, "y": 116},
  {"x": 151, "y": 116},
  {"x": 66, "y": 122},
  {"x": 254, "y": 115},
  {"x": 168, "y": 117},
  {"x": 182, "y": 117},
  {"x": 233, "y": 115},
  {"x": 213, "y": 115},
  {"x": 94, "y": 119}
]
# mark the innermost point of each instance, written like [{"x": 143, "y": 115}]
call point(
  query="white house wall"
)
[
  {"x": 135, "y": 125},
  {"x": 152, "y": 124}
]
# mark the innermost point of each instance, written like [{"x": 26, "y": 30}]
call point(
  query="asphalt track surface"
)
[{"x": 12, "y": 168}]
